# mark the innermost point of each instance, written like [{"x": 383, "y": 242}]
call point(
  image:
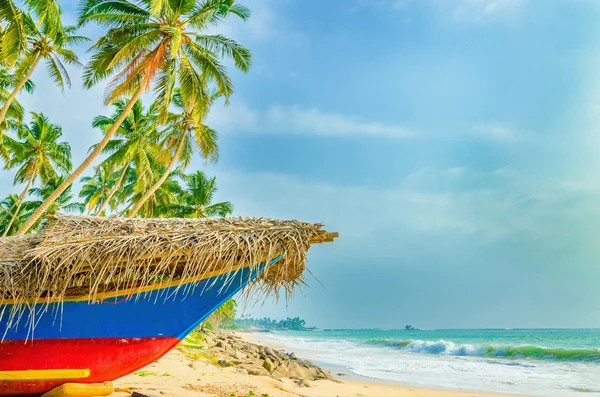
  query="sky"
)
[{"x": 453, "y": 144}]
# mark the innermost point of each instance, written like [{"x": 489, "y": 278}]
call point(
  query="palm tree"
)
[
  {"x": 7, "y": 83},
  {"x": 64, "y": 203},
  {"x": 197, "y": 200},
  {"x": 45, "y": 42},
  {"x": 160, "y": 44},
  {"x": 163, "y": 200},
  {"x": 12, "y": 35},
  {"x": 134, "y": 148},
  {"x": 8, "y": 210},
  {"x": 15, "y": 24},
  {"x": 38, "y": 154},
  {"x": 96, "y": 189},
  {"x": 15, "y": 112},
  {"x": 185, "y": 133}
]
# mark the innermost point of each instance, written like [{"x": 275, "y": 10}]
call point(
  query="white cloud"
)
[
  {"x": 428, "y": 175},
  {"x": 323, "y": 123},
  {"x": 495, "y": 132},
  {"x": 394, "y": 4},
  {"x": 465, "y": 10},
  {"x": 483, "y": 215},
  {"x": 454, "y": 172},
  {"x": 482, "y": 9},
  {"x": 238, "y": 117},
  {"x": 474, "y": 217},
  {"x": 580, "y": 186}
]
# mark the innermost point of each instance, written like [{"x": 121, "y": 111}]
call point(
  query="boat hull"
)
[{"x": 90, "y": 342}]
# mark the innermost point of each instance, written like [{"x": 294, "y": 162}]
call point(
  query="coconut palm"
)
[
  {"x": 134, "y": 148},
  {"x": 10, "y": 212},
  {"x": 95, "y": 190},
  {"x": 12, "y": 35},
  {"x": 159, "y": 44},
  {"x": 163, "y": 200},
  {"x": 48, "y": 12},
  {"x": 184, "y": 134},
  {"x": 64, "y": 203},
  {"x": 15, "y": 112},
  {"x": 45, "y": 43},
  {"x": 38, "y": 154},
  {"x": 198, "y": 197},
  {"x": 15, "y": 24},
  {"x": 7, "y": 83}
]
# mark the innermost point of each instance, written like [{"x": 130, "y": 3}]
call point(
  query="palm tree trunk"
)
[
  {"x": 113, "y": 191},
  {"x": 86, "y": 163},
  {"x": 126, "y": 209},
  {"x": 160, "y": 181},
  {"x": 20, "y": 202},
  {"x": 17, "y": 89}
]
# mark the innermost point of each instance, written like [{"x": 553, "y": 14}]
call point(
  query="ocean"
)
[{"x": 530, "y": 362}]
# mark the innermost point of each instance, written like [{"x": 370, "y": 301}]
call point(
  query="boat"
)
[{"x": 91, "y": 299}]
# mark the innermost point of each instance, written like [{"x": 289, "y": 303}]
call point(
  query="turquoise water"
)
[
  {"x": 543, "y": 344},
  {"x": 534, "y": 362}
]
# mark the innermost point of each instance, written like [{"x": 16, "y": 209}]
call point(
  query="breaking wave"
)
[{"x": 453, "y": 349}]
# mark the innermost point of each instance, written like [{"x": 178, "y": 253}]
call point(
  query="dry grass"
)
[{"x": 87, "y": 256}]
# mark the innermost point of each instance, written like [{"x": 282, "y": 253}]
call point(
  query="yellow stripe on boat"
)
[
  {"x": 79, "y": 390},
  {"x": 44, "y": 374},
  {"x": 135, "y": 290}
]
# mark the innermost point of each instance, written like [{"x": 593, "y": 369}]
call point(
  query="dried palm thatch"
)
[{"x": 76, "y": 256}]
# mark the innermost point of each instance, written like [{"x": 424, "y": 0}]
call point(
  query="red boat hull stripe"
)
[{"x": 105, "y": 358}]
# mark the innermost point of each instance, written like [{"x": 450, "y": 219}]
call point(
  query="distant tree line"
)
[
  {"x": 289, "y": 324},
  {"x": 225, "y": 318}
]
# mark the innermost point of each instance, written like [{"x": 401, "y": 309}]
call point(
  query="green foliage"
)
[
  {"x": 9, "y": 209},
  {"x": 144, "y": 374},
  {"x": 132, "y": 153},
  {"x": 34, "y": 37},
  {"x": 224, "y": 316},
  {"x": 64, "y": 202},
  {"x": 196, "y": 200},
  {"x": 95, "y": 189},
  {"x": 165, "y": 42},
  {"x": 155, "y": 45},
  {"x": 291, "y": 324},
  {"x": 38, "y": 153},
  {"x": 183, "y": 136}
]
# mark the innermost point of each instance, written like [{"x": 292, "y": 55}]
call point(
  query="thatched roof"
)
[{"x": 84, "y": 256}]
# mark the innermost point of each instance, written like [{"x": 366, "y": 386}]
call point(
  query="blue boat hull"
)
[{"x": 88, "y": 342}]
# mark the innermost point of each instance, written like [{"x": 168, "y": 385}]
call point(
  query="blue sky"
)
[{"x": 454, "y": 144}]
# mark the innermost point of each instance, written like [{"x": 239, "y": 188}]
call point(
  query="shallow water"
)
[{"x": 548, "y": 362}]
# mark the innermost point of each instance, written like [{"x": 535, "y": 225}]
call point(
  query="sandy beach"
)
[{"x": 182, "y": 374}]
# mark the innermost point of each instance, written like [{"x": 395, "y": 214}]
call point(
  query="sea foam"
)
[
  {"x": 508, "y": 362},
  {"x": 454, "y": 349}
]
